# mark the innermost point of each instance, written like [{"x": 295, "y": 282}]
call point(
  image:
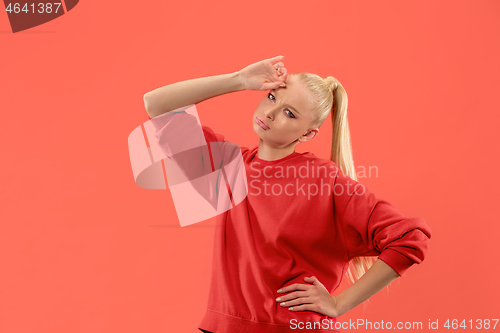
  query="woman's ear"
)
[{"x": 310, "y": 134}]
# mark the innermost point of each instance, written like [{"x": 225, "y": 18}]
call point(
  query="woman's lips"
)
[{"x": 261, "y": 123}]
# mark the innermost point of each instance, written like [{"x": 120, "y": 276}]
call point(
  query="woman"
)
[{"x": 281, "y": 252}]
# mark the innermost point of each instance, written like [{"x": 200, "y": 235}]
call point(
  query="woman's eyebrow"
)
[{"x": 291, "y": 107}]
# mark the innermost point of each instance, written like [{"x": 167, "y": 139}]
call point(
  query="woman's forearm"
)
[
  {"x": 184, "y": 93},
  {"x": 374, "y": 280}
]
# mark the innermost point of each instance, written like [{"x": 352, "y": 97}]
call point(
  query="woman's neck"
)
[{"x": 267, "y": 153}]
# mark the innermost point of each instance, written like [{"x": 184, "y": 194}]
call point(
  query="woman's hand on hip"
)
[
  {"x": 264, "y": 75},
  {"x": 309, "y": 297}
]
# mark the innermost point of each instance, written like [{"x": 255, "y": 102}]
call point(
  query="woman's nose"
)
[{"x": 270, "y": 113}]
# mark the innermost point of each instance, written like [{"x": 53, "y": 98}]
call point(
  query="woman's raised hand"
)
[{"x": 264, "y": 75}]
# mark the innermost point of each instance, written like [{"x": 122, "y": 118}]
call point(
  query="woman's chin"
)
[
  {"x": 258, "y": 130},
  {"x": 259, "y": 134}
]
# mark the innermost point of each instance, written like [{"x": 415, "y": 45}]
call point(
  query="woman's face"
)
[{"x": 288, "y": 116}]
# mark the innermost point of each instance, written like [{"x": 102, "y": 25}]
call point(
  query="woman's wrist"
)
[
  {"x": 341, "y": 306},
  {"x": 239, "y": 81}
]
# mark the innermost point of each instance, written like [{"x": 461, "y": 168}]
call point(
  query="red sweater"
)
[{"x": 301, "y": 217}]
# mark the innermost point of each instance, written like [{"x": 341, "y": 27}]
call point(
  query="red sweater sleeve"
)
[
  {"x": 210, "y": 135},
  {"x": 373, "y": 227}
]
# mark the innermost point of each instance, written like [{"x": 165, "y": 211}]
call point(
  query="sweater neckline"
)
[{"x": 257, "y": 159}]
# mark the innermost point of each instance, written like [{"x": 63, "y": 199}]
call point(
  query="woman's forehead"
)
[{"x": 296, "y": 95}]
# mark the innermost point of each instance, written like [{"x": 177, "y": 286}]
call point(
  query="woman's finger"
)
[
  {"x": 279, "y": 65},
  {"x": 270, "y": 86},
  {"x": 283, "y": 77},
  {"x": 276, "y": 59},
  {"x": 296, "y": 301},
  {"x": 295, "y": 286},
  {"x": 303, "y": 307},
  {"x": 291, "y": 296}
]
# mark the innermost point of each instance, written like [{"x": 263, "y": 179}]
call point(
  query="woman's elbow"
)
[
  {"x": 148, "y": 105},
  {"x": 145, "y": 98}
]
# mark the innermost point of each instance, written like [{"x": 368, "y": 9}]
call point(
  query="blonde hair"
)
[{"x": 327, "y": 94}]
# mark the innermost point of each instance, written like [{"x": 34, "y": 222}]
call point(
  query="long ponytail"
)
[{"x": 341, "y": 154}]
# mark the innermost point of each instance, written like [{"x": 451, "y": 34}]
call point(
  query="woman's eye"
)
[{"x": 288, "y": 112}]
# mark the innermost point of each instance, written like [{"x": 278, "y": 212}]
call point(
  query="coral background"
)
[{"x": 84, "y": 249}]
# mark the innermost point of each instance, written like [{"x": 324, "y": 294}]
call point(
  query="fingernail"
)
[
  {"x": 278, "y": 299},
  {"x": 280, "y": 290}
]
